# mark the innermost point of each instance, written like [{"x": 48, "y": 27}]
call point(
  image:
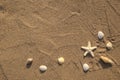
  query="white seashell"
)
[
  {"x": 100, "y": 35},
  {"x": 109, "y": 45},
  {"x": 61, "y": 60},
  {"x": 106, "y": 60},
  {"x": 85, "y": 67},
  {"x": 29, "y": 61},
  {"x": 43, "y": 68}
]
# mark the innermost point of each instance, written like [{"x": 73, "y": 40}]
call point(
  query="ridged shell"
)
[
  {"x": 43, "y": 68},
  {"x": 85, "y": 67},
  {"x": 100, "y": 35},
  {"x": 109, "y": 45},
  {"x": 61, "y": 60},
  {"x": 106, "y": 60}
]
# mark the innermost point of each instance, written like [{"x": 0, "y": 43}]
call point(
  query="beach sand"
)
[{"x": 48, "y": 29}]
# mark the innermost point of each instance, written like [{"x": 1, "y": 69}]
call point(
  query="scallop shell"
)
[
  {"x": 29, "y": 61},
  {"x": 106, "y": 60},
  {"x": 109, "y": 45},
  {"x": 43, "y": 68},
  {"x": 61, "y": 60},
  {"x": 86, "y": 67},
  {"x": 100, "y": 35}
]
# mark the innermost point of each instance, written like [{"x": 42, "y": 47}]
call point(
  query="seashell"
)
[
  {"x": 43, "y": 68},
  {"x": 109, "y": 45},
  {"x": 100, "y": 35},
  {"x": 86, "y": 67},
  {"x": 106, "y": 60},
  {"x": 29, "y": 61},
  {"x": 61, "y": 60}
]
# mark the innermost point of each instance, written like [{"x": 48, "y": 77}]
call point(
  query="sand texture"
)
[{"x": 47, "y": 29}]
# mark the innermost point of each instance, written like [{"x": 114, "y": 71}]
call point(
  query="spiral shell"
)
[
  {"x": 100, "y": 35},
  {"x": 106, "y": 60}
]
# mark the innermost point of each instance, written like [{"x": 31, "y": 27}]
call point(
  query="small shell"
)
[
  {"x": 100, "y": 35},
  {"x": 29, "y": 61},
  {"x": 61, "y": 60},
  {"x": 109, "y": 45},
  {"x": 106, "y": 60},
  {"x": 43, "y": 68},
  {"x": 86, "y": 67}
]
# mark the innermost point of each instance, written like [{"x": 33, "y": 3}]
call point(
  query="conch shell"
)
[{"x": 106, "y": 60}]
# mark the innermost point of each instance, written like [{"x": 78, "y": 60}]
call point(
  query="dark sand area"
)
[{"x": 48, "y": 29}]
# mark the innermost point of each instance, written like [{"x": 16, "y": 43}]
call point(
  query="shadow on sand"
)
[{"x": 105, "y": 65}]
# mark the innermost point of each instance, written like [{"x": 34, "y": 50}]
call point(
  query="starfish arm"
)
[
  {"x": 85, "y": 48},
  {"x": 89, "y": 44},
  {"x": 86, "y": 52},
  {"x": 93, "y": 48},
  {"x": 92, "y": 54}
]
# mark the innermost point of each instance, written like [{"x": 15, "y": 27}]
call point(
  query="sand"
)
[{"x": 47, "y": 29}]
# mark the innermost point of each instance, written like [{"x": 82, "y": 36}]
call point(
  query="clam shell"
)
[
  {"x": 61, "y": 60},
  {"x": 43, "y": 68},
  {"x": 109, "y": 45},
  {"x": 106, "y": 60},
  {"x": 100, "y": 35},
  {"x": 86, "y": 67}
]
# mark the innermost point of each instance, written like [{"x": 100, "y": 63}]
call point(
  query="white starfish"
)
[{"x": 89, "y": 49}]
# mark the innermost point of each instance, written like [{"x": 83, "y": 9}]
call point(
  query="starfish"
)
[{"x": 89, "y": 49}]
